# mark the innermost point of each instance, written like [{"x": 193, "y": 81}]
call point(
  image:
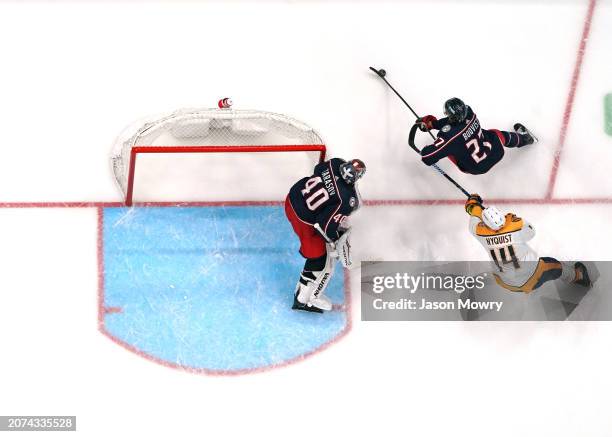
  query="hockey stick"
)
[
  {"x": 442, "y": 172},
  {"x": 334, "y": 247},
  {"x": 382, "y": 73},
  {"x": 324, "y": 235}
]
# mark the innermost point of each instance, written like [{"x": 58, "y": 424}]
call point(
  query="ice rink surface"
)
[
  {"x": 209, "y": 289},
  {"x": 76, "y": 73}
]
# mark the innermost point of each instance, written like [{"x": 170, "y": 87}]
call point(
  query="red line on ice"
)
[
  {"x": 527, "y": 201},
  {"x": 141, "y": 204},
  {"x": 100, "y": 250},
  {"x": 569, "y": 104},
  {"x": 372, "y": 202}
]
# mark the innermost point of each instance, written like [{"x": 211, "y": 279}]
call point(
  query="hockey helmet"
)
[
  {"x": 352, "y": 170},
  {"x": 455, "y": 110},
  {"x": 493, "y": 218}
]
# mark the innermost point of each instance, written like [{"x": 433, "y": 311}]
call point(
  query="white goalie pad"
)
[{"x": 314, "y": 293}]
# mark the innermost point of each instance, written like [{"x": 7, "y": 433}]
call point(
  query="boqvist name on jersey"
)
[{"x": 471, "y": 130}]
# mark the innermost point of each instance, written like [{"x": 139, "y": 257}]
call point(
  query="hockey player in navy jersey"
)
[
  {"x": 462, "y": 140},
  {"x": 318, "y": 208}
]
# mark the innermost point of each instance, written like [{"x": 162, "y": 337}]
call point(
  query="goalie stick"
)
[
  {"x": 324, "y": 235},
  {"x": 382, "y": 73}
]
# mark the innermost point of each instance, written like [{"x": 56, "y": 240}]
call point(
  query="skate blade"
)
[
  {"x": 297, "y": 305},
  {"x": 519, "y": 126}
]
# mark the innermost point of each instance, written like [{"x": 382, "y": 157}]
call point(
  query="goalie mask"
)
[
  {"x": 352, "y": 170},
  {"x": 455, "y": 110}
]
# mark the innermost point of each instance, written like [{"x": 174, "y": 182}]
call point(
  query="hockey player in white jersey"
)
[{"x": 517, "y": 266}]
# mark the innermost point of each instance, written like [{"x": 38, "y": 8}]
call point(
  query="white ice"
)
[{"x": 74, "y": 74}]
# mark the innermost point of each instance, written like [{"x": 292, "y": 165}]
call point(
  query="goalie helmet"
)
[
  {"x": 493, "y": 218},
  {"x": 455, "y": 110},
  {"x": 352, "y": 170}
]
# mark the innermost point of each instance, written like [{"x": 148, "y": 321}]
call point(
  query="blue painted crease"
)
[{"x": 210, "y": 287}]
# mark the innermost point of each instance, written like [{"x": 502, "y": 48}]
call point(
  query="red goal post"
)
[{"x": 209, "y": 131}]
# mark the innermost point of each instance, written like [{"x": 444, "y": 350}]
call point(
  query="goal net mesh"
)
[{"x": 208, "y": 130}]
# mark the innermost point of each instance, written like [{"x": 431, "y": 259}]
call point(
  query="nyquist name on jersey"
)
[
  {"x": 329, "y": 184},
  {"x": 501, "y": 239},
  {"x": 471, "y": 130}
]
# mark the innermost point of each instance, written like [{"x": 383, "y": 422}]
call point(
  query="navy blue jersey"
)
[
  {"x": 324, "y": 198},
  {"x": 471, "y": 148}
]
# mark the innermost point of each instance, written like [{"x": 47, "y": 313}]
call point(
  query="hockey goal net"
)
[{"x": 232, "y": 154}]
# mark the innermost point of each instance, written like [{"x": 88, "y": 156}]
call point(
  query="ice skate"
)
[{"x": 526, "y": 135}]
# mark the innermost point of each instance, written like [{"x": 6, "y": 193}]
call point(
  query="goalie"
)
[
  {"x": 517, "y": 266},
  {"x": 318, "y": 208}
]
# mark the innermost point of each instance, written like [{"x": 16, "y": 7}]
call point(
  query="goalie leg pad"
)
[{"x": 311, "y": 287}]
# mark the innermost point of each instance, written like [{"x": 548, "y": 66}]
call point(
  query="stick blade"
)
[{"x": 378, "y": 72}]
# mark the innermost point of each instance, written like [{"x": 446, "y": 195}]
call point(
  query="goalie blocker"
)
[{"x": 318, "y": 208}]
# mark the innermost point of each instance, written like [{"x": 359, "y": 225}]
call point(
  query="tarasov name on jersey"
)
[{"x": 328, "y": 182}]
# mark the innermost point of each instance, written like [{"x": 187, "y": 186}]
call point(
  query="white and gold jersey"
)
[{"x": 514, "y": 260}]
